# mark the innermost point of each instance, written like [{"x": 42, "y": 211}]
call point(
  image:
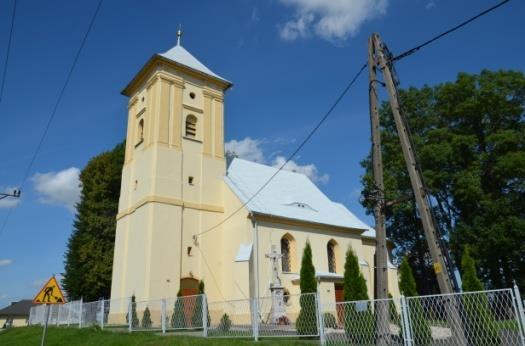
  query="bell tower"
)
[{"x": 172, "y": 178}]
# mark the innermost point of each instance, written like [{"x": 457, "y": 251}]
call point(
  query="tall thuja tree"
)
[
  {"x": 134, "y": 316},
  {"x": 470, "y": 138},
  {"x": 89, "y": 255},
  {"x": 359, "y": 321},
  {"x": 196, "y": 318},
  {"x": 476, "y": 305},
  {"x": 307, "y": 319},
  {"x": 178, "y": 317},
  {"x": 419, "y": 323}
]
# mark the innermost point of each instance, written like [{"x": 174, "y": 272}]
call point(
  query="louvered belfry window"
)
[
  {"x": 285, "y": 252},
  {"x": 331, "y": 257},
  {"x": 191, "y": 126}
]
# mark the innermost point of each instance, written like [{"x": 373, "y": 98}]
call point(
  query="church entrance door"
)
[
  {"x": 189, "y": 287},
  {"x": 339, "y": 297}
]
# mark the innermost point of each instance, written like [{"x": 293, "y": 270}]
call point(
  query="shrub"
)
[
  {"x": 178, "y": 318},
  {"x": 479, "y": 316},
  {"x": 134, "y": 317},
  {"x": 329, "y": 320},
  {"x": 225, "y": 323},
  {"x": 146, "y": 319},
  {"x": 307, "y": 320},
  {"x": 359, "y": 320}
]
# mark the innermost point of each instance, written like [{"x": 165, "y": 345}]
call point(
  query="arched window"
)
[
  {"x": 331, "y": 253},
  {"x": 140, "y": 132},
  {"x": 191, "y": 126},
  {"x": 288, "y": 253}
]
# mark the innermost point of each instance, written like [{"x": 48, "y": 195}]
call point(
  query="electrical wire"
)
[
  {"x": 459, "y": 26},
  {"x": 303, "y": 143},
  {"x": 8, "y": 51},
  {"x": 55, "y": 108}
]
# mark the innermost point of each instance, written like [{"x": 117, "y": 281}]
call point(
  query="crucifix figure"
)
[
  {"x": 278, "y": 312},
  {"x": 274, "y": 256}
]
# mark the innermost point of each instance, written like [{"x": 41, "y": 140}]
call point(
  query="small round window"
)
[{"x": 192, "y": 95}]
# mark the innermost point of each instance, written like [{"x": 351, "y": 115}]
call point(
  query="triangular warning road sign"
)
[{"x": 50, "y": 293}]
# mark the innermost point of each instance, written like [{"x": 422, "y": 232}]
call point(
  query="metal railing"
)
[{"x": 475, "y": 318}]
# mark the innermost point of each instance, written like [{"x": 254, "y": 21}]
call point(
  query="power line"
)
[
  {"x": 312, "y": 132},
  {"x": 459, "y": 26},
  {"x": 55, "y": 108},
  {"x": 8, "y": 50}
]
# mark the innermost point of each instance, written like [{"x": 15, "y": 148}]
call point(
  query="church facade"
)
[{"x": 186, "y": 214}]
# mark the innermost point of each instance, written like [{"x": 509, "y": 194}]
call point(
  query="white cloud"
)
[
  {"x": 251, "y": 150},
  {"x": 38, "y": 283},
  {"x": 255, "y": 15},
  {"x": 332, "y": 20},
  {"x": 309, "y": 170},
  {"x": 5, "y": 262},
  {"x": 430, "y": 5},
  {"x": 247, "y": 148},
  {"x": 9, "y": 202},
  {"x": 60, "y": 188}
]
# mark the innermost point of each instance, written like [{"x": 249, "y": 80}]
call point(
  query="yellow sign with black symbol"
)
[
  {"x": 50, "y": 293},
  {"x": 437, "y": 267}
]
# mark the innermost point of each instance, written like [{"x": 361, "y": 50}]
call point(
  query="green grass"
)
[{"x": 91, "y": 336}]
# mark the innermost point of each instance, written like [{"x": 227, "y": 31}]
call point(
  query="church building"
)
[{"x": 186, "y": 213}]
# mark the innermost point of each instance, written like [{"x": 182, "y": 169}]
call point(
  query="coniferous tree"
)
[
  {"x": 407, "y": 285},
  {"x": 178, "y": 318},
  {"x": 134, "y": 316},
  {"x": 307, "y": 319},
  {"x": 196, "y": 319},
  {"x": 359, "y": 320},
  {"x": 146, "y": 319},
  {"x": 476, "y": 305},
  {"x": 89, "y": 255}
]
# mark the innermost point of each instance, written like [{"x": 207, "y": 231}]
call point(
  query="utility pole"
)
[
  {"x": 381, "y": 272},
  {"x": 439, "y": 259}
]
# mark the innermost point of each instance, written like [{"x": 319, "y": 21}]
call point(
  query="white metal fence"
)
[{"x": 474, "y": 318}]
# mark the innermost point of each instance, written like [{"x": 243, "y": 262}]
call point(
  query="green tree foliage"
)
[
  {"x": 146, "y": 319},
  {"x": 407, "y": 283},
  {"x": 470, "y": 280},
  {"x": 407, "y": 286},
  {"x": 470, "y": 138},
  {"x": 134, "y": 317},
  {"x": 359, "y": 320},
  {"x": 307, "y": 319},
  {"x": 476, "y": 306},
  {"x": 89, "y": 255},
  {"x": 178, "y": 318}
]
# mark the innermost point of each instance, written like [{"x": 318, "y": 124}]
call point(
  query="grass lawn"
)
[{"x": 91, "y": 336}]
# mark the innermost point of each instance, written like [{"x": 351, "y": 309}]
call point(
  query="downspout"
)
[{"x": 256, "y": 255}]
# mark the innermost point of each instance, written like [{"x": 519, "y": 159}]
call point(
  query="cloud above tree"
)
[{"x": 59, "y": 188}]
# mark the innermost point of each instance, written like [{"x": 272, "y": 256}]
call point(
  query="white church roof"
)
[
  {"x": 181, "y": 56},
  {"x": 290, "y": 195}
]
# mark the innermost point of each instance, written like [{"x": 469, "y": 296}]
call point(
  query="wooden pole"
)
[{"x": 381, "y": 259}]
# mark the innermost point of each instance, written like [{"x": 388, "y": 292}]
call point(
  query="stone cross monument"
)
[{"x": 278, "y": 311}]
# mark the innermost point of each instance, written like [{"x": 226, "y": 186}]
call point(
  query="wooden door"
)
[
  {"x": 339, "y": 297},
  {"x": 189, "y": 287}
]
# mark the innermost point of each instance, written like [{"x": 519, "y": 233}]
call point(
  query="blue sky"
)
[{"x": 289, "y": 59}]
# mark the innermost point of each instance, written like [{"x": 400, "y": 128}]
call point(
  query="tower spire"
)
[{"x": 179, "y": 35}]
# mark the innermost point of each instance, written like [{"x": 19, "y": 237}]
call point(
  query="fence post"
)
[
  {"x": 80, "y": 313},
  {"x": 102, "y": 313},
  {"x": 204, "y": 304},
  {"x": 58, "y": 315},
  {"x": 521, "y": 314},
  {"x": 320, "y": 322},
  {"x": 163, "y": 315},
  {"x": 130, "y": 318},
  {"x": 68, "y": 313},
  {"x": 255, "y": 319},
  {"x": 407, "y": 333}
]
